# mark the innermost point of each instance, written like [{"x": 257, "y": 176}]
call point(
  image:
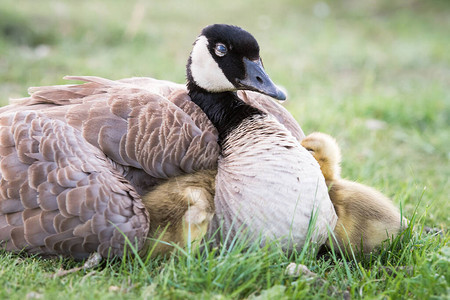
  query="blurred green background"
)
[{"x": 374, "y": 74}]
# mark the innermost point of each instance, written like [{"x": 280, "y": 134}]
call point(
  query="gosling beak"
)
[{"x": 256, "y": 79}]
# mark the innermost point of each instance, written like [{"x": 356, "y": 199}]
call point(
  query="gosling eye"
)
[{"x": 220, "y": 49}]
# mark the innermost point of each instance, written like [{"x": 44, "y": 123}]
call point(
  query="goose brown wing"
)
[
  {"x": 144, "y": 123},
  {"x": 140, "y": 127},
  {"x": 59, "y": 194}
]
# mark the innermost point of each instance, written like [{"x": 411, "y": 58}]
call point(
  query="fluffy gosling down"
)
[
  {"x": 366, "y": 217},
  {"x": 183, "y": 207}
]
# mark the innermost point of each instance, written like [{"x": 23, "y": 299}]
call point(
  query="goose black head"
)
[{"x": 226, "y": 58}]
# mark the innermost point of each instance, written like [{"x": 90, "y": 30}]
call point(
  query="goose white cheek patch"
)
[{"x": 205, "y": 70}]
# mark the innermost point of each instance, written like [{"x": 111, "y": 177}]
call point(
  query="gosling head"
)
[
  {"x": 226, "y": 58},
  {"x": 326, "y": 151}
]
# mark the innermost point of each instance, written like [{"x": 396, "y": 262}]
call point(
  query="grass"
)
[{"x": 374, "y": 74}]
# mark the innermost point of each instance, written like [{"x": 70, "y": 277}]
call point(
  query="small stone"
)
[
  {"x": 93, "y": 261},
  {"x": 114, "y": 288},
  {"x": 374, "y": 124},
  {"x": 296, "y": 270},
  {"x": 34, "y": 295}
]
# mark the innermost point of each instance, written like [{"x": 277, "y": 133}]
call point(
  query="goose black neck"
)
[{"x": 225, "y": 110}]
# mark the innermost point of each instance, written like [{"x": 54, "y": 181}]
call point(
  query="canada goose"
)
[
  {"x": 76, "y": 159},
  {"x": 365, "y": 216}
]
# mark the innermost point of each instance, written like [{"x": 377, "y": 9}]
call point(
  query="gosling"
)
[
  {"x": 181, "y": 210},
  {"x": 366, "y": 217}
]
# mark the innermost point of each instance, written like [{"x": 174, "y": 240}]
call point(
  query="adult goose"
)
[{"x": 75, "y": 160}]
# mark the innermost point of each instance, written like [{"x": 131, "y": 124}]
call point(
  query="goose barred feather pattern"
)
[{"x": 59, "y": 194}]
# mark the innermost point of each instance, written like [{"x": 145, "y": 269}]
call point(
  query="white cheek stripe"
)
[{"x": 205, "y": 70}]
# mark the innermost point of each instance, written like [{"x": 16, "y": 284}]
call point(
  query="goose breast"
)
[{"x": 277, "y": 195}]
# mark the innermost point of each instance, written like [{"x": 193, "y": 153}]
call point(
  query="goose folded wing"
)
[
  {"x": 144, "y": 123},
  {"x": 137, "y": 126},
  {"x": 61, "y": 195}
]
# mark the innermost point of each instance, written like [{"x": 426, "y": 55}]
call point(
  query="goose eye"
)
[{"x": 220, "y": 49}]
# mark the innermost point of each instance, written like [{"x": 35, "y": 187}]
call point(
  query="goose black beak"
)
[{"x": 256, "y": 79}]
